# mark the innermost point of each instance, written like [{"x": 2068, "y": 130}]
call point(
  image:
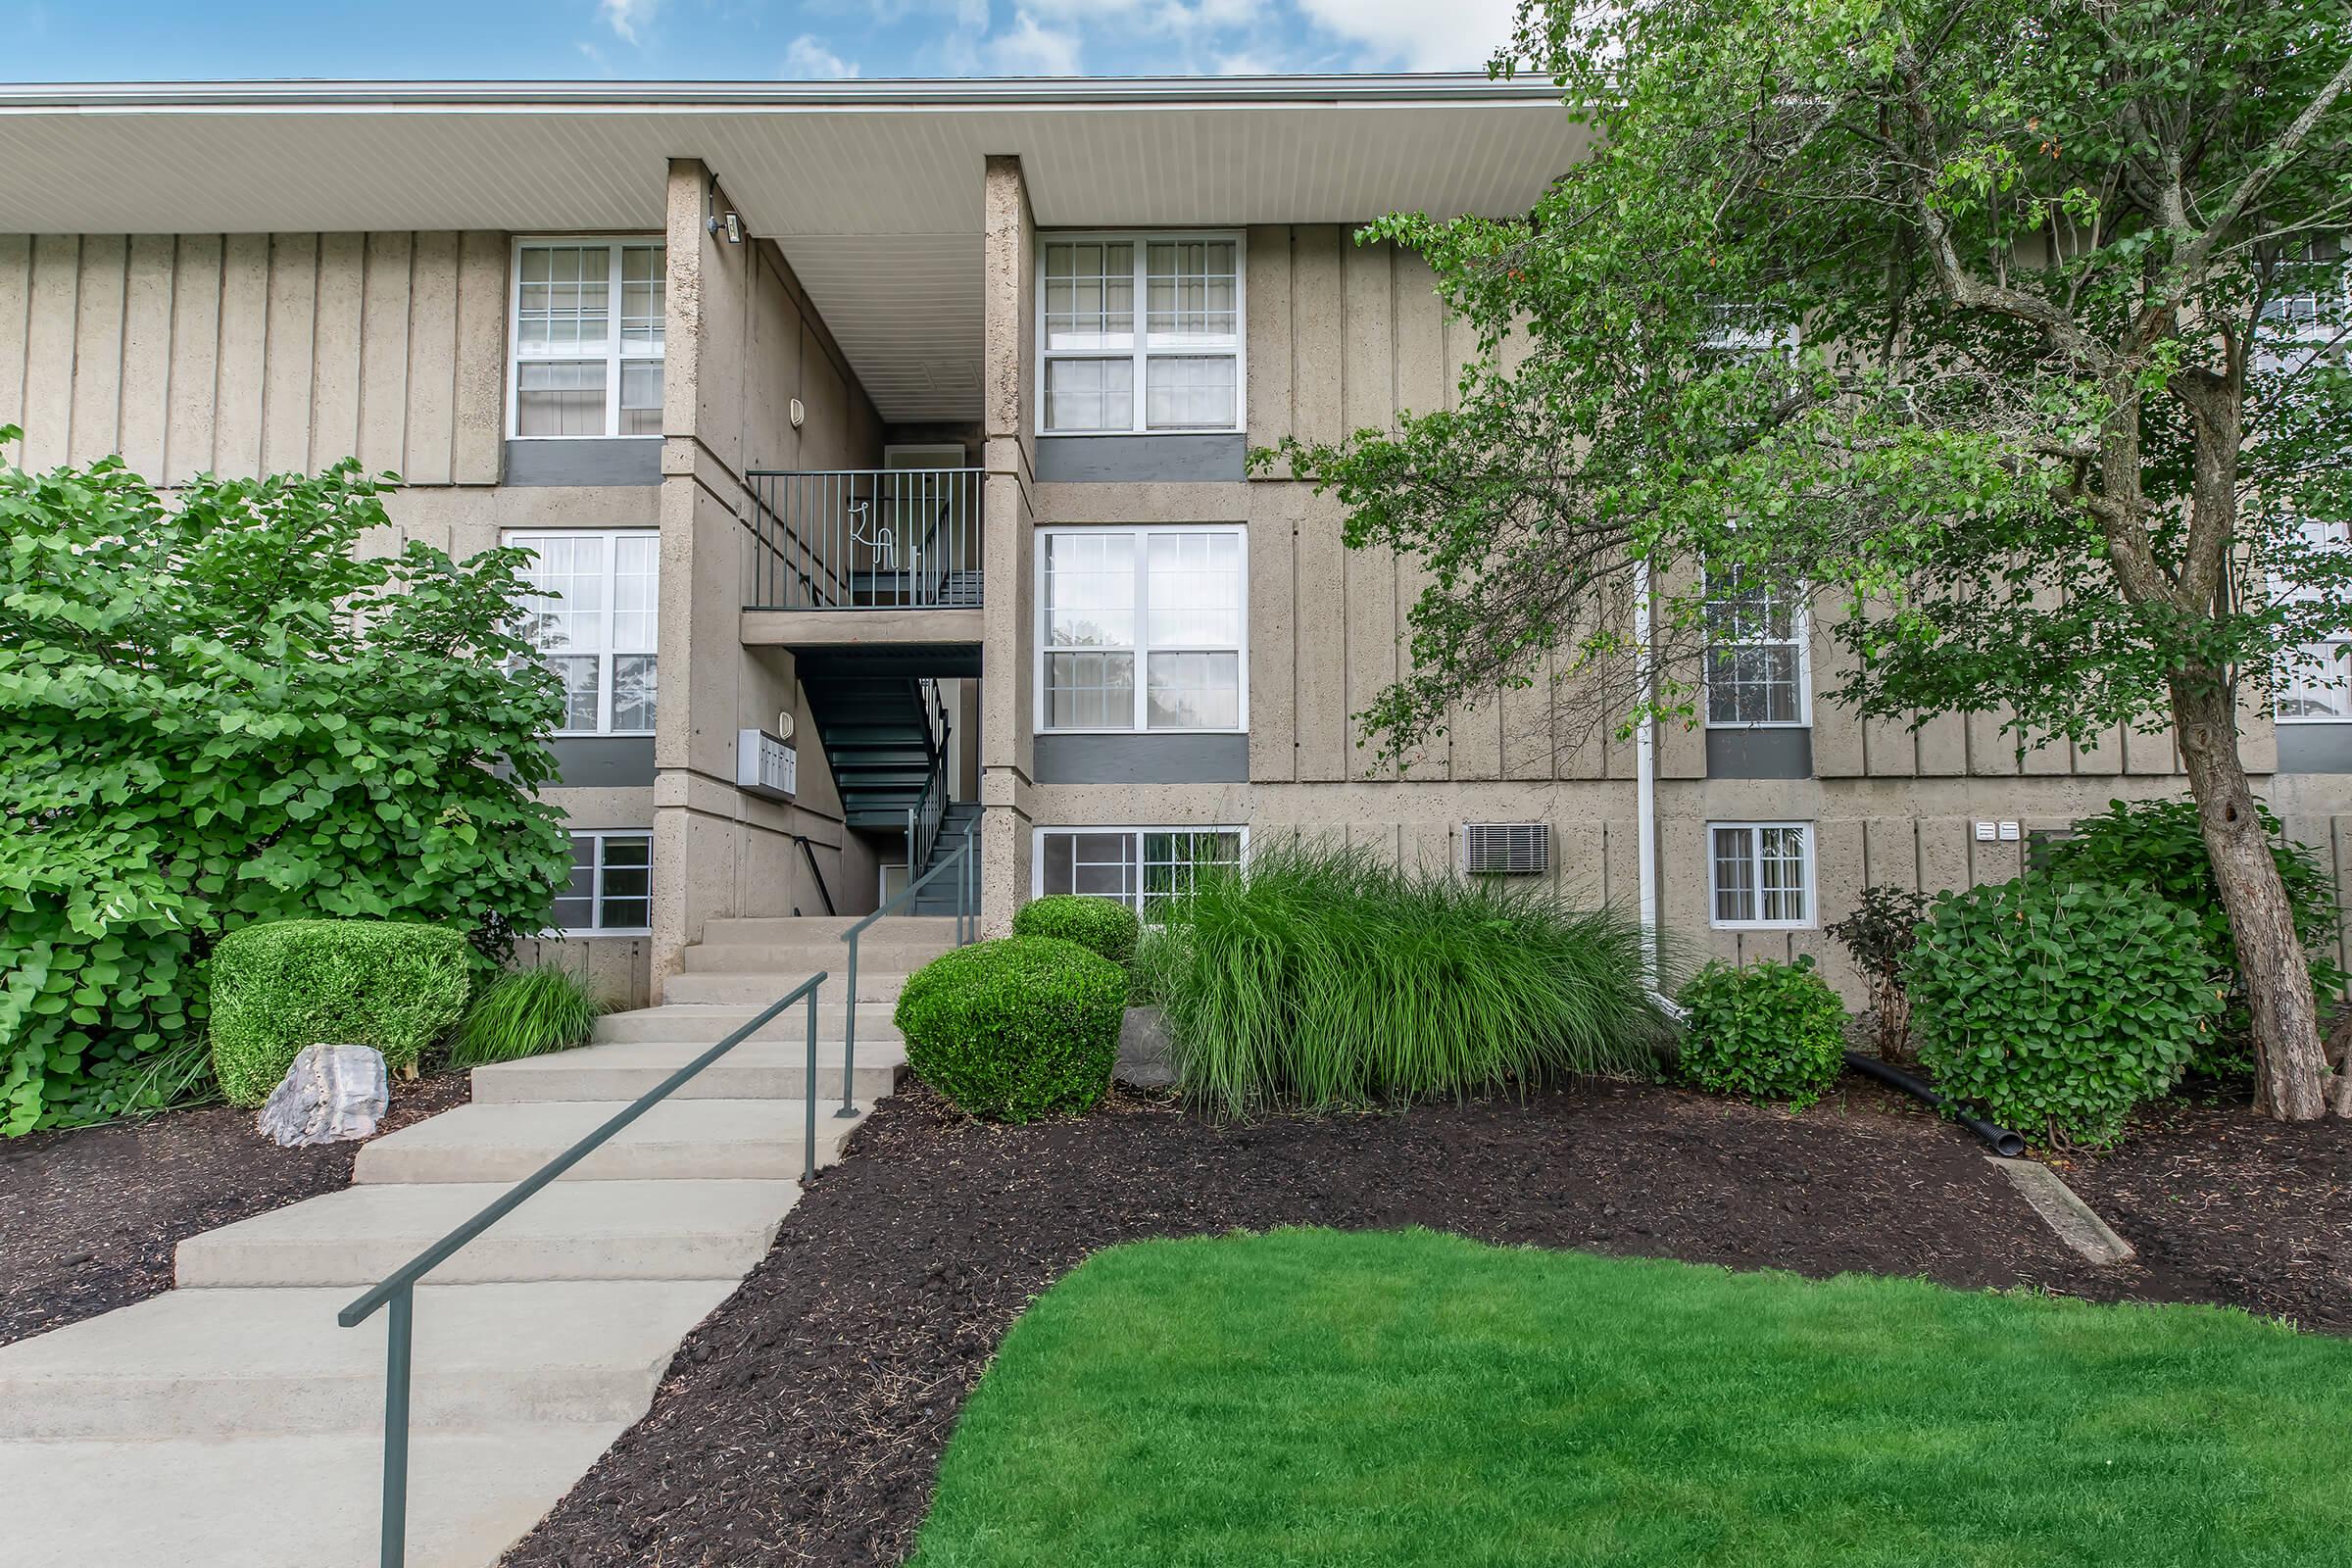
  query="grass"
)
[
  {"x": 1406, "y": 1398},
  {"x": 1321, "y": 978},
  {"x": 523, "y": 1014}
]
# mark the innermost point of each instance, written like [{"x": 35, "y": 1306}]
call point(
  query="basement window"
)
[
  {"x": 1142, "y": 867},
  {"x": 587, "y": 338},
  {"x": 611, "y": 888},
  {"x": 1760, "y": 875},
  {"x": 1140, "y": 332}
]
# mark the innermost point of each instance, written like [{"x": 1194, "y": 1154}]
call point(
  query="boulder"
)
[
  {"x": 332, "y": 1092},
  {"x": 1143, "y": 1051}
]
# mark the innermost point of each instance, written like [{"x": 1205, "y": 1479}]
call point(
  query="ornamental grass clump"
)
[
  {"x": 1322, "y": 977},
  {"x": 525, "y": 1015},
  {"x": 2058, "y": 1006}
]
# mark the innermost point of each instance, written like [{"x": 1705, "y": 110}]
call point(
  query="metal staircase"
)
[{"x": 884, "y": 738}]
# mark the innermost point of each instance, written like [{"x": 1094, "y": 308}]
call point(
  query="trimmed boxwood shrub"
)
[
  {"x": 2057, "y": 1006},
  {"x": 280, "y": 987},
  {"x": 1096, "y": 924},
  {"x": 1015, "y": 1029},
  {"x": 1768, "y": 1031}
]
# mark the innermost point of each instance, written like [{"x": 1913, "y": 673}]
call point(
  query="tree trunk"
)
[{"x": 2288, "y": 1066}]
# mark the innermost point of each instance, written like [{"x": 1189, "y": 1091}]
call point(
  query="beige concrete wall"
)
[
  {"x": 245, "y": 354},
  {"x": 1008, "y": 733},
  {"x": 742, "y": 343}
]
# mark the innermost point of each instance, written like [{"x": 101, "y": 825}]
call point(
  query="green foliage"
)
[
  {"x": 1307, "y": 1398},
  {"x": 1097, "y": 925},
  {"x": 283, "y": 985},
  {"x": 213, "y": 714},
  {"x": 2057, "y": 1006},
  {"x": 1016, "y": 1029},
  {"x": 1322, "y": 977},
  {"x": 525, "y": 1015},
  {"x": 1879, "y": 935},
  {"x": 2157, "y": 844},
  {"x": 1767, "y": 1031}
]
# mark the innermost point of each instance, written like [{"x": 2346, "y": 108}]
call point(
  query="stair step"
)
[
  {"x": 712, "y": 1022},
  {"x": 208, "y": 1362},
  {"x": 653, "y": 1230},
  {"x": 680, "y": 1140},
  {"x": 882, "y": 966},
  {"x": 775, "y": 927},
  {"x": 753, "y": 986},
  {"x": 288, "y": 1502},
  {"x": 756, "y": 1069}
]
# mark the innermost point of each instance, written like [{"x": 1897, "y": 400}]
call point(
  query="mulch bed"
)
[
  {"x": 804, "y": 1421},
  {"x": 88, "y": 1218}
]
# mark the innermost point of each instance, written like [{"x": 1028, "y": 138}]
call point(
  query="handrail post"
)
[
  {"x": 849, "y": 1036},
  {"x": 399, "y": 1323},
  {"x": 808, "y": 1133}
]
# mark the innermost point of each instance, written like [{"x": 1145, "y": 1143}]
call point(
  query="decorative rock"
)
[
  {"x": 1143, "y": 1051},
  {"x": 332, "y": 1092}
]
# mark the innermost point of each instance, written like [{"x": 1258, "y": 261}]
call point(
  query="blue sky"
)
[{"x": 68, "y": 40}]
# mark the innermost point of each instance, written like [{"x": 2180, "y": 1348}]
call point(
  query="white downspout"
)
[{"x": 1645, "y": 794}]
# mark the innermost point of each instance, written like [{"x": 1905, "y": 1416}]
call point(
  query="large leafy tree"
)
[
  {"x": 1986, "y": 322},
  {"x": 217, "y": 708}
]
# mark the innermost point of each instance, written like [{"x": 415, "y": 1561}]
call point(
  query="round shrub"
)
[
  {"x": 1768, "y": 1031},
  {"x": 2057, "y": 1006},
  {"x": 397, "y": 985},
  {"x": 1015, "y": 1029},
  {"x": 1095, "y": 924}
]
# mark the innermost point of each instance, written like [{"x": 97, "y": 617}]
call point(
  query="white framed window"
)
[
  {"x": 585, "y": 349},
  {"x": 1142, "y": 867},
  {"x": 2315, "y": 684},
  {"x": 1101, "y": 369},
  {"x": 1142, "y": 630},
  {"x": 1759, "y": 876},
  {"x": 611, "y": 887},
  {"x": 2307, "y": 290},
  {"x": 594, "y": 615},
  {"x": 1757, "y": 670}
]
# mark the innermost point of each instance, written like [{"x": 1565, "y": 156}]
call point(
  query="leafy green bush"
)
[
  {"x": 2057, "y": 1006},
  {"x": 284, "y": 985},
  {"x": 1879, "y": 935},
  {"x": 1097, "y": 925},
  {"x": 2158, "y": 844},
  {"x": 216, "y": 712},
  {"x": 1320, "y": 976},
  {"x": 525, "y": 1015},
  {"x": 1766, "y": 1030},
  {"x": 1015, "y": 1029}
]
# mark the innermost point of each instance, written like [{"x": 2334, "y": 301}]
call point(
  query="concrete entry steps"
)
[{"x": 231, "y": 1420}]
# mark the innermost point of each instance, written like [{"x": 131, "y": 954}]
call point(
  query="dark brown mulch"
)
[
  {"x": 88, "y": 1218},
  {"x": 804, "y": 1421}
]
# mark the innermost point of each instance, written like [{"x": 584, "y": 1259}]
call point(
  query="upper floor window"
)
[
  {"x": 1142, "y": 629},
  {"x": 1178, "y": 369},
  {"x": 594, "y": 615},
  {"x": 2307, "y": 290},
  {"x": 1756, "y": 670},
  {"x": 587, "y": 337},
  {"x": 1760, "y": 874},
  {"x": 2314, "y": 683}
]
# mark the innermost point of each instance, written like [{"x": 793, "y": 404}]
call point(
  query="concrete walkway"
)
[{"x": 231, "y": 1421}]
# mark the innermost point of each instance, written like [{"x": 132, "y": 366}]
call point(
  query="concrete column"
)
[{"x": 1006, "y": 699}]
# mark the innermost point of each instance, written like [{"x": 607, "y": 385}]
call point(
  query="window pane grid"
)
[
  {"x": 1162, "y": 604},
  {"x": 1760, "y": 874},
  {"x": 611, "y": 885},
  {"x": 1755, "y": 654},
  {"x": 1099, "y": 373},
  {"x": 589, "y": 330},
  {"x": 1143, "y": 869},
  {"x": 592, "y": 612}
]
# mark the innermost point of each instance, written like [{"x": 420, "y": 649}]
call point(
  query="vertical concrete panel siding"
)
[
  {"x": 98, "y": 347},
  {"x": 16, "y": 300},
  {"x": 147, "y": 355},
  {"x": 49, "y": 349}
]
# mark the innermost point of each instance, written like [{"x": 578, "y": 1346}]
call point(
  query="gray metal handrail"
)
[
  {"x": 398, "y": 1289},
  {"x": 967, "y": 925}
]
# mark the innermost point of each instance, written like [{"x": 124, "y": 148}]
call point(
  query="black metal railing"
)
[
  {"x": 864, "y": 539},
  {"x": 398, "y": 1291}
]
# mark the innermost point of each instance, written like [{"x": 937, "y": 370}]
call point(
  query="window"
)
[
  {"x": 2314, "y": 685},
  {"x": 592, "y": 614},
  {"x": 1141, "y": 867},
  {"x": 2307, "y": 290},
  {"x": 1755, "y": 654},
  {"x": 588, "y": 324},
  {"x": 1182, "y": 371},
  {"x": 1761, "y": 873},
  {"x": 611, "y": 888},
  {"x": 1168, "y": 600}
]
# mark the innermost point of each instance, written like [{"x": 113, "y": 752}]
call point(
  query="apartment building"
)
[{"x": 883, "y": 448}]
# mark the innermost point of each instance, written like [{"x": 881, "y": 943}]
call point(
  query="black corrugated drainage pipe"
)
[{"x": 2006, "y": 1144}]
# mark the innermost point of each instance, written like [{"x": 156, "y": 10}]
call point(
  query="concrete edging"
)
[{"x": 2074, "y": 1221}]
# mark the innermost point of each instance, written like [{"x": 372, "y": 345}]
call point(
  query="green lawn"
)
[{"x": 1309, "y": 1397}]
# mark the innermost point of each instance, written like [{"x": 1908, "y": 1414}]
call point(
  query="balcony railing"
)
[{"x": 864, "y": 539}]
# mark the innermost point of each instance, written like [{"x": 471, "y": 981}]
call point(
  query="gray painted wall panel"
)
[
  {"x": 1137, "y": 459},
  {"x": 604, "y": 761},
  {"x": 1143, "y": 758},
  {"x": 1771, "y": 753},
  {"x": 626, "y": 460},
  {"x": 2315, "y": 747}
]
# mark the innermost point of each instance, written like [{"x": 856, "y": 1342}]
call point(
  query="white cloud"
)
[
  {"x": 808, "y": 59},
  {"x": 1031, "y": 50},
  {"x": 1418, "y": 35},
  {"x": 624, "y": 16}
]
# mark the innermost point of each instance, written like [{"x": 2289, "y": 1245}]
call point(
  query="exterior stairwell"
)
[
  {"x": 879, "y": 738},
  {"x": 160, "y": 1434}
]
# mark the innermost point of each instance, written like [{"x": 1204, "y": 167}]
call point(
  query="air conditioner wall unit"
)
[{"x": 1506, "y": 849}]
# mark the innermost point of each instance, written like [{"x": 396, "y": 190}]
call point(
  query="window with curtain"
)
[
  {"x": 1761, "y": 873},
  {"x": 588, "y": 338},
  {"x": 1142, "y": 629},
  {"x": 594, "y": 614},
  {"x": 1178, "y": 368}
]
